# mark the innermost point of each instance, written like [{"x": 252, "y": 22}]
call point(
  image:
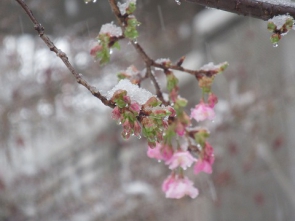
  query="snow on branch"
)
[{"x": 261, "y": 9}]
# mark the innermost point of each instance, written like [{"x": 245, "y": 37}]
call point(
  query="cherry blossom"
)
[
  {"x": 202, "y": 111},
  {"x": 160, "y": 152},
  {"x": 205, "y": 163},
  {"x": 181, "y": 159},
  {"x": 176, "y": 187}
]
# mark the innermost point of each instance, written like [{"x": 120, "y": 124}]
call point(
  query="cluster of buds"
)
[
  {"x": 127, "y": 9},
  {"x": 126, "y": 113},
  {"x": 107, "y": 40},
  {"x": 155, "y": 120},
  {"x": 164, "y": 123},
  {"x": 150, "y": 118},
  {"x": 279, "y": 25},
  {"x": 110, "y": 34}
]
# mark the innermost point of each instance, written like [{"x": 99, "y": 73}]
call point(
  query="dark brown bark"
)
[{"x": 253, "y": 8}]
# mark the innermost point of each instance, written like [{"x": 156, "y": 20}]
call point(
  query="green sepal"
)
[
  {"x": 271, "y": 26},
  {"x": 116, "y": 45},
  {"x": 131, "y": 8}
]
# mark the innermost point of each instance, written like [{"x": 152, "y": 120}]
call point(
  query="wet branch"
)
[
  {"x": 150, "y": 62},
  {"x": 79, "y": 78},
  {"x": 253, "y": 8}
]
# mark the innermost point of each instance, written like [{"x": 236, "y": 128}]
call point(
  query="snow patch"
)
[
  {"x": 280, "y": 20},
  {"x": 135, "y": 93},
  {"x": 111, "y": 29}
]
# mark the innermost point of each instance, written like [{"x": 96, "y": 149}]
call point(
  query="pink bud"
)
[
  {"x": 116, "y": 113},
  {"x": 212, "y": 100},
  {"x": 205, "y": 163},
  {"x": 135, "y": 107},
  {"x": 95, "y": 49},
  {"x": 137, "y": 128},
  {"x": 180, "y": 129}
]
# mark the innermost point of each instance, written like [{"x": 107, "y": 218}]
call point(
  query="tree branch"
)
[
  {"x": 253, "y": 8},
  {"x": 79, "y": 78}
]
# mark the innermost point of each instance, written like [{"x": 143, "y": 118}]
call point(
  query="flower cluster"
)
[{"x": 162, "y": 120}]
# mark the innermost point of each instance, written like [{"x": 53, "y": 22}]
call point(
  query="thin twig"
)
[
  {"x": 257, "y": 9},
  {"x": 79, "y": 78}
]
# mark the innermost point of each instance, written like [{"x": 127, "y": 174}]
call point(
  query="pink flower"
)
[
  {"x": 180, "y": 158},
  {"x": 176, "y": 187},
  {"x": 202, "y": 112},
  {"x": 180, "y": 129},
  {"x": 205, "y": 164},
  {"x": 160, "y": 152}
]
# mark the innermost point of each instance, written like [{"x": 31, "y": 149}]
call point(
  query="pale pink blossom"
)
[
  {"x": 181, "y": 159},
  {"x": 160, "y": 152},
  {"x": 176, "y": 187},
  {"x": 205, "y": 163},
  {"x": 202, "y": 112}
]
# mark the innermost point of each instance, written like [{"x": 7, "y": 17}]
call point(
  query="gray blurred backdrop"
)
[{"x": 62, "y": 157}]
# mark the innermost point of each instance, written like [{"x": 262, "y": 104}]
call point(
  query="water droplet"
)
[
  {"x": 138, "y": 137},
  {"x": 198, "y": 145},
  {"x": 275, "y": 45},
  {"x": 111, "y": 51},
  {"x": 94, "y": 1},
  {"x": 178, "y": 2},
  {"x": 119, "y": 122},
  {"x": 159, "y": 161}
]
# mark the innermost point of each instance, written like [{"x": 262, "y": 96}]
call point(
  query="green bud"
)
[
  {"x": 271, "y": 26},
  {"x": 181, "y": 102},
  {"x": 131, "y": 8},
  {"x": 172, "y": 82},
  {"x": 275, "y": 38}
]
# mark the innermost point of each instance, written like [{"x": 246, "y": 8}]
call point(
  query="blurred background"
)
[{"x": 62, "y": 157}]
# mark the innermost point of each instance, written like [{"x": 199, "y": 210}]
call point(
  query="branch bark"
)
[
  {"x": 79, "y": 77},
  {"x": 253, "y": 8}
]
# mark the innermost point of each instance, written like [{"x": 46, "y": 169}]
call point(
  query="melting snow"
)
[
  {"x": 123, "y": 6},
  {"x": 135, "y": 93},
  {"x": 279, "y": 20},
  {"x": 111, "y": 29}
]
